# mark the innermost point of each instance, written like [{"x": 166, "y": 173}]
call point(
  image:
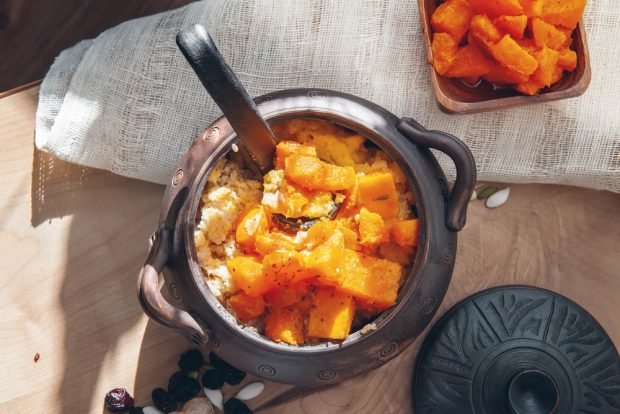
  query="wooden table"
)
[{"x": 72, "y": 240}]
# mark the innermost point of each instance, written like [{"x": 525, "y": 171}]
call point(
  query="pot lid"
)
[{"x": 514, "y": 350}]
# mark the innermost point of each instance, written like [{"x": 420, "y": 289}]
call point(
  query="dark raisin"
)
[
  {"x": 163, "y": 400},
  {"x": 218, "y": 362},
  {"x": 118, "y": 400},
  {"x": 191, "y": 360},
  {"x": 182, "y": 387},
  {"x": 235, "y": 406},
  {"x": 213, "y": 379},
  {"x": 233, "y": 376},
  {"x": 136, "y": 410}
]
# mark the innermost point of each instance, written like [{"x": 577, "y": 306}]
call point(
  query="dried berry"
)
[
  {"x": 118, "y": 400},
  {"x": 235, "y": 406},
  {"x": 182, "y": 387},
  {"x": 191, "y": 360},
  {"x": 233, "y": 376},
  {"x": 213, "y": 379},
  {"x": 218, "y": 362},
  {"x": 163, "y": 400},
  {"x": 136, "y": 410}
]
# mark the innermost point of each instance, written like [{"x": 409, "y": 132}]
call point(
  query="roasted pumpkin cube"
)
[
  {"x": 286, "y": 148},
  {"x": 532, "y": 8},
  {"x": 510, "y": 54},
  {"x": 324, "y": 229},
  {"x": 267, "y": 243},
  {"x": 567, "y": 59},
  {"x": 282, "y": 268},
  {"x": 565, "y": 13},
  {"x": 396, "y": 253},
  {"x": 503, "y": 75},
  {"x": 406, "y": 232},
  {"x": 483, "y": 29},
  {"x": 452, "y": 17},
  {"x": 372, "y": 280},
  {"x": 529, "y": 87},
  {"x": 247, "y": 274},
  {"x": 444, "y": 48},
  {"x": 314, "y": 174},
  {"x": 246, "y": 307},
  {"x": 377, "y": 193},
  {"x": 283, "y": 297},
  {"x": 253, "y": 223},
  {"x": 547, "y": 62},
  {"x": 546, "y": 34},
  {"x": 331, "y": 314},
  {"x": 372, "y": 228},
  {"x": 496, "y": 8},
  {"x": 469, "y": 62},
  {"x": 285, "y": 325},
  {"x": 513, "y": 25},
  {"x": 325, "y": 262}
]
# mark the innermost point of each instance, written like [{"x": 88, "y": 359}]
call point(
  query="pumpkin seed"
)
[
  {"x": 487, "y": 192},
  {"x": 474, "y": 195},
  {"x": 498, "y": 199},
  {"x": 250, "y": 391},
  {"x": 216, "y": 398},
  {"x": 152, "y": 410}
]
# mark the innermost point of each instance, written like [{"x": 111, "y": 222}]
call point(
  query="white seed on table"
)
[
  {"x": 235, "y": 148},
  {"x": 152, "y": 410},
  {"x": 498, "y": 199},
  {"x": 216, "y": 397},
  {"x": 250, "y": 391},
  {"x": 474, "y": 195}
]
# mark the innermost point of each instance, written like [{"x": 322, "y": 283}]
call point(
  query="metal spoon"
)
[{"x": 238, "y": 107}]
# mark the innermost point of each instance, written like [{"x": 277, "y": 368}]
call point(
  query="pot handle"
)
[
  {"x": 463, "y": 160},
  {"x": 154, "y": 304}
]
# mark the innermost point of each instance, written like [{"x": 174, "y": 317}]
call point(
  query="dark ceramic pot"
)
[{"x": 193, "y": 310}]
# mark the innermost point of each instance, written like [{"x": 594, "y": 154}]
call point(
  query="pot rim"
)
[{"x": 346, "y": 119}]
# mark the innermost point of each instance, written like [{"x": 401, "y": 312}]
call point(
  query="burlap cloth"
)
[{"x": 128, "y": 102}]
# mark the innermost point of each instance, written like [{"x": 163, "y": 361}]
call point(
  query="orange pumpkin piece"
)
[
  {"x": 532, "y": 8},
  {"x": 547, "y": 60},
  {"x": 557, "y": 75},
  {"x": 286, "y": 148},
  {"x": 395, "y": 253},
  {"x": 452, "y": 17},
  {"x": 247, "y": 274},
  {"x": 469, "y": 62},
  {"x": 546, "y": 34},
  {"x": 513, "y": 25},
  {"x": 565, "y": 13},
  {"x": 377, "y": 193},
  {"x": 496, "y": 8},
  {"x": 444, "y": 48},
  {"x": 406, "y": 232},
  {"x": 285, "y": 325},
  {"x": 483, "y": 29},
  {"x": 267, "y": 243},
  {"x": 324, "y": 229},
  {"x": 281, "y": 268},
  {"x": 567, "y": 59},
  {"x": 325, "y": 262},
  {"x": 253, "y": 223},
  {"x": 293, "y": 295},
  {"x": 529, "y": 87},
  {"x": 508, "y": 52},
  {"x": 372, "y": 280},
  {"x": 331, "y": 314},
  {"x": 372, "y": 228},
  {"x": 246, "y": 307},
  {"x": 314, "y": 174},
  {"x": 502, "y": 75}
]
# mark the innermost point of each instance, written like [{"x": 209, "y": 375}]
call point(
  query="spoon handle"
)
[{"x": 228, "y": 93}]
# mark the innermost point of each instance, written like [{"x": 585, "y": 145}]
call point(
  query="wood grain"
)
[
  {"x": 33, "y": 32},
  {"x": 72, "y": 240}
]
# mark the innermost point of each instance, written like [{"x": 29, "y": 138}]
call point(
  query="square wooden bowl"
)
[{"x": 454, "y": 96}]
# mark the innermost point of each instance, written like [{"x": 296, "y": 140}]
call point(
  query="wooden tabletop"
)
[{"x": 72, "y": 240}]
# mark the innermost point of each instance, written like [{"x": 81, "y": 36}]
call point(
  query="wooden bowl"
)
[{"x": 454, "y": 96}]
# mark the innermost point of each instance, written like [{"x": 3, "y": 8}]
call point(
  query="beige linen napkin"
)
[{"x": 128, "y": 102}]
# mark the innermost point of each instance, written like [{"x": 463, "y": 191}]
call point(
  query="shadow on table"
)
[{"x": 104, "y": 252}]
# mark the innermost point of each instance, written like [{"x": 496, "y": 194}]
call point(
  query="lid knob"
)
[{"x": 533, "y": 392}]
